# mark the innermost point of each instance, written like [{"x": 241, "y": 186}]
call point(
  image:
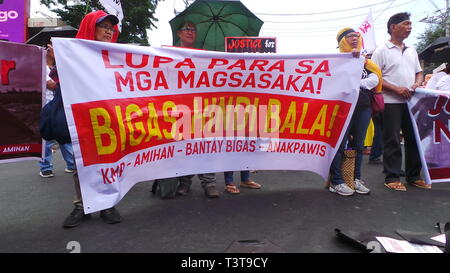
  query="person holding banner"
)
[
  {"x": 188, "y": 34},
  {"x": 98, "y": 26},
  {"x": 350, "y": 41},
  {"x": 46, "y": 167},
  {"x": 402, "y": 74}
]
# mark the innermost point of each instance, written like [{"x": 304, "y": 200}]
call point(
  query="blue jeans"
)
[
  {"x": 357, "y": 129},
  {"x": 245, "y": 175},
  {"x": 377, "y": 145},
  {"x": 66, "y": 151}
]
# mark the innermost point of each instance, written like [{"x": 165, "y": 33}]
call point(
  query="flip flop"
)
[
  {"x": 250, "y": 184},
  {"x": 396, "y": 186},
  {"x": 232, "y": 189},
  {"x": 420, "y": 183}
]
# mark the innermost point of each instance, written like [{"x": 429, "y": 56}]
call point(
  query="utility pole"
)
[{"x": 447, "y": 20}]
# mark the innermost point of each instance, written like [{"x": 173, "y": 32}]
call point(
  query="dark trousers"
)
[
  {"x": 395, "y": 118},
  {"x": 377, "y": 144}
]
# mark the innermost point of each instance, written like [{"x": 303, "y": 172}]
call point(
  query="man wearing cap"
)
[{"x": 402, "y": 74}]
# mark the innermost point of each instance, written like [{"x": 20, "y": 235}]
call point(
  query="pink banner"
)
[
  {"x": 21, "y": 84},
  {"x": 13, "y": 20}
]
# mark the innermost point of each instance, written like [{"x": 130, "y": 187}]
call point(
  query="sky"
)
[{"x": 305, "y": 26}]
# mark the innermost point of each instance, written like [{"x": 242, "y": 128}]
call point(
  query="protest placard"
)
[
  {"x": 141, "y": 113},
  {"x": 22, "y": 80},
  {"x": 430, "y": 112}
]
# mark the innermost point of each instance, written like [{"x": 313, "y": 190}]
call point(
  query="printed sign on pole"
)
[
  {"x": 13, "y": 21},
  {"x": 251, "y": 44},
  {"x": 367, "y": 31}
]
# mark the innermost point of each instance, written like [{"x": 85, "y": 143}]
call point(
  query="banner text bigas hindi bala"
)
[{"x": 136, "y": 123}]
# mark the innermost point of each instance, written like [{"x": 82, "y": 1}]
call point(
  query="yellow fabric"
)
[
  {"x": 342, "y": 31},
  {"x": 344, "y": 46},
  {"x": 369, "y": 135}
]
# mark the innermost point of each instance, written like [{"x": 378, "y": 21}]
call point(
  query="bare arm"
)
[
  {"x": 418, "y": 81},
  {"x": 400, "y": 90}
]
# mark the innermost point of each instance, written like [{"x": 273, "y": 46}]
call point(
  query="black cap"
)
[{"x": 114, "y": 20}]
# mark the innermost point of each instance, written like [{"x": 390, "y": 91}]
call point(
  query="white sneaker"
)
[
  {"x": 46, "y": 174},
  {"x": 360, "y": 188},
  {"x": 67, "y": 170},
  {"x": 341, "y": 189}
]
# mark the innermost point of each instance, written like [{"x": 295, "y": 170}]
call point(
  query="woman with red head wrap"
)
[{"x": 96, "y": 26}]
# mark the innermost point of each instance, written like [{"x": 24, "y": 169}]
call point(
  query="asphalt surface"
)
[{"x": 293, "y": 212}]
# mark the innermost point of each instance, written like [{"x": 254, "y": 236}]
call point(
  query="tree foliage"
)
[
  {"x": 430, "y": 34},
  {"x": 138, "y": 16}
]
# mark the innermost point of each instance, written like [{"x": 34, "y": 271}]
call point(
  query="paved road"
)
[{"x": 293, "y": 211}]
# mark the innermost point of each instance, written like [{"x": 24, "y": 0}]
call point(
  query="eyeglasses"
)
[
  {"x": 107, "y": 27},
  {"x": 188, "y": 29},
  {"x": 353, "y": 35}
]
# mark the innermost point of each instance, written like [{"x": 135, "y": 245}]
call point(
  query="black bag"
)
[
  {"x": 53, "y": 122},
  {"x": 166, "y": 188}
]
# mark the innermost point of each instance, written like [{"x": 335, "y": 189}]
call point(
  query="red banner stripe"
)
[
  {"x": 20, "y": 149},
  {"x": 440, "y": 173}
]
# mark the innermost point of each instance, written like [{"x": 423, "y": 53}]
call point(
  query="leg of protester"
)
[
  {"x": 77, "y": 216},
  {"x": 46, "y": 164},
  {"x": 377, "y": 144},
  {"x": 360, "y": 122},
  {"x": 230, "y": 187},
  {"x": 337, "y": 184},
  {"x": 246, "y": 182}
]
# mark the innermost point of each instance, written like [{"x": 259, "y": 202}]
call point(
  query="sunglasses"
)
[
  {"x": 107, "y": 27},
  {"x": 353, "y": 35},
  {"x": 188, "y": 29}
]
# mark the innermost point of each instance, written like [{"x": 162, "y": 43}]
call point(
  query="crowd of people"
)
[{"x": 392, "y": 69}]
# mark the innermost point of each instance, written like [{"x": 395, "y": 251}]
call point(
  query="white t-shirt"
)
[
  {"x": 431, "y": 84},
  {"x": 444, "y": 83},
  {"x": 48, "y": 93},
  {"x": 398, "y": 67}
]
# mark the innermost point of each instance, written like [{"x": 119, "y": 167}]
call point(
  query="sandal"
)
[
  {"x": 232, "y": 189},
  {"x": 250, "y": 184},
  {"x": 420, "y": 183},
  {"x": 396, "y": 186}
]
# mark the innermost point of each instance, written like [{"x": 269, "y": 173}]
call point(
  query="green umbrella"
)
[{"x": 215, "y": 20}]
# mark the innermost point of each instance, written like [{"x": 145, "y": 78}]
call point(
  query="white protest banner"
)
[
  {"x": 141, "y": 113},
  {"x": 430, "y": 111},
  {"x": 367, "y": 31},
  {"x": 114, "y": 7}
]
